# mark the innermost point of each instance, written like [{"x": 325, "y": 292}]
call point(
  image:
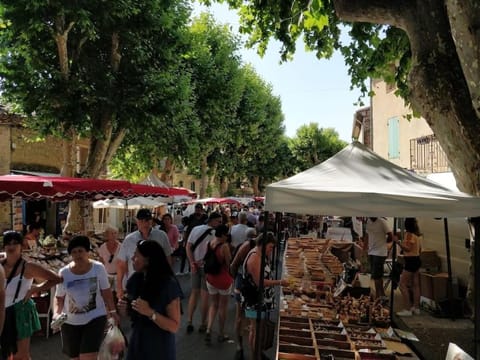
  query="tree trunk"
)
[
  {"x": 255, "y": 181},
  {"x": 223, "y": 186},
  {"x": 203, "y": 178},
  {"x": 445, "y": 77},
  {"x": 167, "y": 174},
  {"x": 439, "y": 87}
]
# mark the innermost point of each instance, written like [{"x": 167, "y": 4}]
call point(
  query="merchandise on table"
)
[{"x": 314, "y": 324}]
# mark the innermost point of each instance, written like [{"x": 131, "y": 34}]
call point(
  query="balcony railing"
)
[{"x": 427, "y": 156}]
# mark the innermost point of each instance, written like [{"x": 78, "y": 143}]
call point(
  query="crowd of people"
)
[{"x": 135, "y": 278}]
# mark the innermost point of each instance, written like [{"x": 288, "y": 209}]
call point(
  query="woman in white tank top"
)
[{"x": 19, "y": 287}]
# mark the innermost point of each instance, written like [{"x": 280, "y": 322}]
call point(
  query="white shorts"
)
[{"x": 212, "y": 290}]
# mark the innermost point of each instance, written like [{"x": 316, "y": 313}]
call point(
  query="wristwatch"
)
[{"x": 154, "y": 316}]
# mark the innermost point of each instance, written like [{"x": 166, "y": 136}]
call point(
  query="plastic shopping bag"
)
[{"x": 113, "y": 346}]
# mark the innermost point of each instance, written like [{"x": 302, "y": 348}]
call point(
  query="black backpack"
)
[
  {"x": 211, "y": 265},
  {"x": 248, "y": 289}
]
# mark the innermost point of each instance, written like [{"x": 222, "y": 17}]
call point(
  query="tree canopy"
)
[
  {"x": 313, "y": 145},
  {"x": 95, "y": 69},
  {"x": 429, "y": 48}
]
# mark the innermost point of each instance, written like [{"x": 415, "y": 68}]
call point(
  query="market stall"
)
[{"x": 357, "y": 182}]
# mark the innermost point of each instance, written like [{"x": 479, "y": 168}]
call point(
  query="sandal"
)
[
  {"x": 190, "y": 328},
  {"x": 222, "y": 338},
  {"x": 202, "y": 328}
]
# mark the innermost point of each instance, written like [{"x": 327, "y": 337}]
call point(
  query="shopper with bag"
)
[
  {"x": 21, "y": 317},
  {"x": 219, "y": 281},
  {"x": 251, "y": 275},
  {"x": 86, "y": 298},
  {"x": 152, "y": 300}
]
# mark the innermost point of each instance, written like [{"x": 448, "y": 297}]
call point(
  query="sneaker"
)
[
  {"x": 404, "y": 313},
  {"x": 223, "y": 338},
  {"x": 208, "y": 338},
  {"x": 190, "y": 328},
  {"x": 415, "y": 311}
]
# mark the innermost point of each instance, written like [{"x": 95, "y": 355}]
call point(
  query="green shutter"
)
[{"x": 393, "y": 138}]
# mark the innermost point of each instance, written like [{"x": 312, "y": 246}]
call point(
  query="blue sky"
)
[{"x": 311, "y": 90}]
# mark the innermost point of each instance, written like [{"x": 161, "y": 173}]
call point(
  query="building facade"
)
[{"x": 411, "y": 144}]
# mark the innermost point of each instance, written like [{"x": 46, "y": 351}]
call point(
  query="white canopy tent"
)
[
  {"x": 132, "y": 203},
  {"x": 358, "y": 182}
]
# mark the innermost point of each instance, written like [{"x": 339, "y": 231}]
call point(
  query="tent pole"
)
[
  {"x": 476, "y": 288},
  {"x": 394, "y": 260},
  {"x": 449, "y": 268}
]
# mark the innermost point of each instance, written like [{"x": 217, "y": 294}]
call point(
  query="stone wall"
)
[{"x": 31, "y": 154}]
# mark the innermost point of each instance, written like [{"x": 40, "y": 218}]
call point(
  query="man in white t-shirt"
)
[
  {"x": 127, "y": 249},
  {"x": 197, "y": 245},
  {"x": 238, "y": 231},
  {"x": 378, "y": 235}
]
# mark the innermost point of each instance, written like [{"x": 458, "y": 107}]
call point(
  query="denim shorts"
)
[{"x": 252, "y": 313}]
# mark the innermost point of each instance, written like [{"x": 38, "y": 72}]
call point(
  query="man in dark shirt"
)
[{"x": 199, "y": 217}]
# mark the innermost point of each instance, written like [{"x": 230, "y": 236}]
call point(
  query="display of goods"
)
[
  {"x": 295, "y": 349},
  {"x": 376, "y": 356},
  {"x": 334, "y": 354},
  {"x": 368, "y": 344},
  {"x": 286, "y": 356}
]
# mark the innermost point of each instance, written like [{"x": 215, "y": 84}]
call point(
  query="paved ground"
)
[{"x": 434, "y": 334}]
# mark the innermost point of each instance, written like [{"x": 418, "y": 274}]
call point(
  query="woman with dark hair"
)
[
  {"x": 171, "y": 230},
  {"x": 21, "y": 317},
  {"x": 86, "y": 298},
  {"x": 410, "y": 278},
  {"x": 153, "y": 303},
  {"x": 252, "y": 269},
  {"x": 219, "y": 284}
]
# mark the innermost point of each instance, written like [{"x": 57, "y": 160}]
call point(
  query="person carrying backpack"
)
[{"x": 219, "y": 281}]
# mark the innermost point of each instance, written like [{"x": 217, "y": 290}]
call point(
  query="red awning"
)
[
  {"x": 223, "y": 201},
  {"x": 147, "y": 190},
  {"x": 58, "y": 188}
]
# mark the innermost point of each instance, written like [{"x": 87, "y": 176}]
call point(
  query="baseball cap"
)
[{"x": 144, "y": 214}]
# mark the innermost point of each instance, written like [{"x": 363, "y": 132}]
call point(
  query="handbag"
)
[
  {"x": 26, "y": 315},
  {"x": 26, "y": 319}
]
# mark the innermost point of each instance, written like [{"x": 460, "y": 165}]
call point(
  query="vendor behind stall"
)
[
  {"x": 378, "y": 235},
  {"x": 108, "y": 252}
]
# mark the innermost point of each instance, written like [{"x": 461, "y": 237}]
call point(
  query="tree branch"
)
[
  {"x": 115, "y": 53},
  {"x": 61, "y": 39},
  {"x": 374, "y": 11}
]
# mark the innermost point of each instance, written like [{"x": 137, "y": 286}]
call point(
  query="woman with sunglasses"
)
[
  {"x": 108, "y": 252},
  {"x": 152, "y": 300},
  {"x": 21, "y": 317}
]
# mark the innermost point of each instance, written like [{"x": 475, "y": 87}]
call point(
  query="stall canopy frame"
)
[{"x": 358, "y": 182}]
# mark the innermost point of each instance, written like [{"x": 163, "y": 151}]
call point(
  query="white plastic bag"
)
[{"x": 113, "y": 345}]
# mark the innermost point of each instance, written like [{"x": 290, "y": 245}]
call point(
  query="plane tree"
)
[
  {"x": 312, "y": 145},
  {"x": 428, "y": 48},
  {"x": 96, "y": 70}
]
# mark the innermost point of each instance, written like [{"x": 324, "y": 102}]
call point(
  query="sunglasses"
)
[{"x": 111, "y": 259}]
